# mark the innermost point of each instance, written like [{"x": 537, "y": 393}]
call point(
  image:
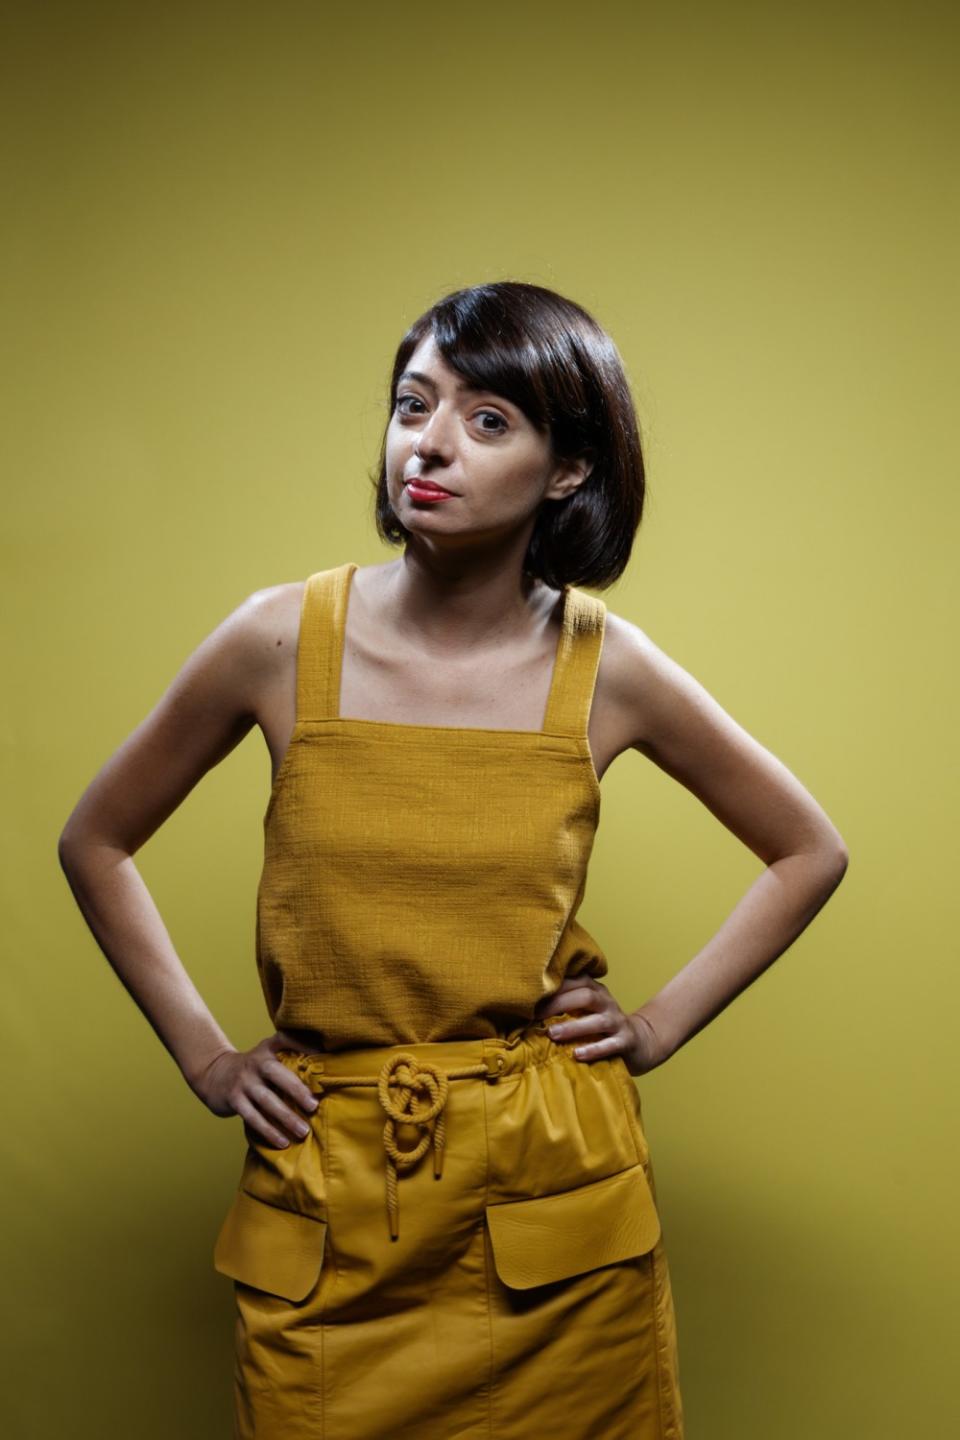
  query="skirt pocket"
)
[
  {"x": 273, "y": 1236},
  {"x": 279, "y": 1251},
  {"x": 568, "y": 1185},
  {"x": 552, "y": 1237}
]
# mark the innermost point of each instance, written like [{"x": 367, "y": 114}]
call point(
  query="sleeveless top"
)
[{"x": 421, "y": 882}]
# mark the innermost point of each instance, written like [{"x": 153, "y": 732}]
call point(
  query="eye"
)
[
  {"x": 400, "y": 399},
  {"x": 494, "y": 416}
]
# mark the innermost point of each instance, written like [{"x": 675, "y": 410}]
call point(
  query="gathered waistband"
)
[
  {"x": 420, "y": 1074},
  {"x": 527, "y": 1045}
]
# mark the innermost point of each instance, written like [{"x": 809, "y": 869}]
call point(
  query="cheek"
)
[
  {"x": 394, "y": 435},
  {"x": 513, "y": 489},
  {"x": 511, "y": 483},
  {"x": 399, "y": 447}
]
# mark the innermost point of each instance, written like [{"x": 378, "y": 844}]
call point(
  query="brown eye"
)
[
  {"x": 400, "y": 399},
  {"x": 492, "y": 414}
]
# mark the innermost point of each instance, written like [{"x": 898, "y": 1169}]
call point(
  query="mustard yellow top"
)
[{"x": 421, "y": 882}]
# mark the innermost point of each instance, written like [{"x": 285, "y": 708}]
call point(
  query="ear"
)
[{"x": 569, "y": 475}]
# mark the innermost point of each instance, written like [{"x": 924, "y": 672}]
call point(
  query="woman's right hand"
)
[{"x": 257, "y": 1086}]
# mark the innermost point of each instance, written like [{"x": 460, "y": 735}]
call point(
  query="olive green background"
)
[{"x": 219, "y": 219}]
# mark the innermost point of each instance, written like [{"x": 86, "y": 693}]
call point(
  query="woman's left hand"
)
[{"x": 604, "y": 1029}]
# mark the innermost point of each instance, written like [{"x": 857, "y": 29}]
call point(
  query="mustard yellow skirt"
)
[{"x": 466, "y": 1245}]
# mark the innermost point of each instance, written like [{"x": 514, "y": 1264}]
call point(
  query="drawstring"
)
[{"x": 423, "y": 1088}]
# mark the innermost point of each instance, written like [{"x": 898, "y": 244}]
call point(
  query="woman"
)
[{"x": 446, "y": 1220}]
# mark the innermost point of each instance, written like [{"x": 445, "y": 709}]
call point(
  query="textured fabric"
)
[
  {"x": 518, "y": 1288},
  {"x": 421, "y": 883},
  {"x": 467, "y": 1244}
]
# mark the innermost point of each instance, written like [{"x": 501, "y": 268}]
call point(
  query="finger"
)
[
  {"x": 257, "y": 1128},
  {"x": 274, "y": 1109},
  {"x": 584, "y": 1027},
  {"x": 603, "y": 1049},
  {"x": 275, "y": 1073},
  {"x": 581, "y": 982},
  {"x": 568, "y": 983},
  {"x": 579, "y": 998}
]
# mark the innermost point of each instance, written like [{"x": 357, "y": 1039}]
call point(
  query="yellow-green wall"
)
[{"x": 219, "y": 218}]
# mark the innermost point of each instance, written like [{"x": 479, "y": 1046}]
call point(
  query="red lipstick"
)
[{"x": 420, "y": 489}]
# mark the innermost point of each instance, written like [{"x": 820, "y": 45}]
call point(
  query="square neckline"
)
[{"x": 340, "y": 646}]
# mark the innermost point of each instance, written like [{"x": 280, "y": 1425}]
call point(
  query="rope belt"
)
[{"x": 422, "y": 1095}]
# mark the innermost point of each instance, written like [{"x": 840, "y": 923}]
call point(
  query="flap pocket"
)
[
  {"x": 550, "y": 1237},
  {"x": 271, "y": 1249}
]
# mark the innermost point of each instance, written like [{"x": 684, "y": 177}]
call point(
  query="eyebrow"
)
[{"x": 425, "y": 380}]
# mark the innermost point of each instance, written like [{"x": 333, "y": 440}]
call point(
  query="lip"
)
[{"x": 417, "y": 483}]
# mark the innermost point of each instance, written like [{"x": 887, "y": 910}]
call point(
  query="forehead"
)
[
  {"x": 427, "y": 363},
  {"x": 427, "y": 356}
]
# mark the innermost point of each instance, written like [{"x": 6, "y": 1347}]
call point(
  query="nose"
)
[{"x": 435, "y": 440}]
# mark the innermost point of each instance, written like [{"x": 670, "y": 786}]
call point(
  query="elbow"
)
[
  {"x": 832, "y": 855},
  {"x": 826, "y": 856},
  {"x": 69, "y": 845},
  {"x": 78, "y": 844},
  {"x": 64, "y": 849},
  {"x": 826, "y": 862},
  {"x": 837, "y": 860}
]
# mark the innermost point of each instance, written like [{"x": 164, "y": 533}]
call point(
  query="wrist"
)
[
  {"x": 196, "y": 1066},
  {"x": 652, "y": 1040}
]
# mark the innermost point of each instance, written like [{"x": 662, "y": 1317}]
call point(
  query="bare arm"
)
[
  {"x": 678, "y": 725},
  {"x": 204, "y": 714}
]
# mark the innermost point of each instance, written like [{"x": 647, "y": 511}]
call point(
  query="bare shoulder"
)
[
  {"x": 231, "y": 672},
  {"x": 212, "y": 701},
  {"x": 661, "y": 709},
  {"x": 641, "y": 684},
  {"x": 668, "y": 715},
  {"x": 237, "y": 665},
  {"x": 270, "y": 623}
]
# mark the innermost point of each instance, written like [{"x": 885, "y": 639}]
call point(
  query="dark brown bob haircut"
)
[{"x": 550, "y": 358}]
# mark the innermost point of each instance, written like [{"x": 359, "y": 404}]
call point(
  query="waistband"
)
[{"x": 413, "y": 1082}]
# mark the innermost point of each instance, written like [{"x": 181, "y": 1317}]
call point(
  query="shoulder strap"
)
[
  {"x": 320, "y": 647},
  {"x": 577, "y": 662}
]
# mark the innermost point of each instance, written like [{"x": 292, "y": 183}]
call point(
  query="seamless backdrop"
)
[{"x": 219, "y": 219}]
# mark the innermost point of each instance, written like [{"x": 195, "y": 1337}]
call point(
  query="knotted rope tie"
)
[{"x": 423, "y": 1089}]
